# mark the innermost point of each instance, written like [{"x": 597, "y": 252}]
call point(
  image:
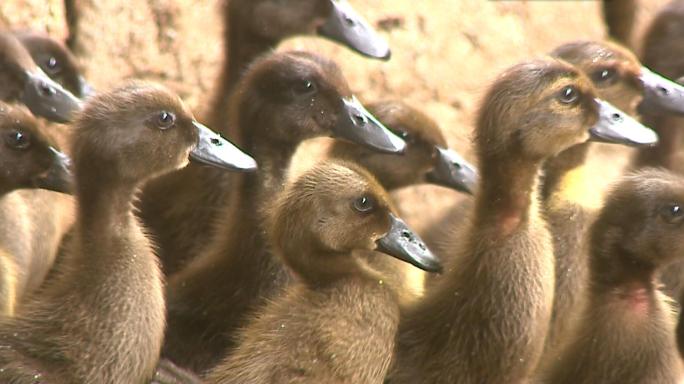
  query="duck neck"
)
[
  {"x": 664, "y": 153},
  {"x": 507, "y": 192},
  {"x": 243, "y": 47},
  {"x": 103, "y": 206},
  {"x": 565, "y": 171}
]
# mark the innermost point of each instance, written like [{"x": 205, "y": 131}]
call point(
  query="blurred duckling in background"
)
[
  {"x": 626, "y": 332},
  {"x": 338, "y": 321},
  {"x": 32, "y": 221},
  {"x": 101, "y": 318}
]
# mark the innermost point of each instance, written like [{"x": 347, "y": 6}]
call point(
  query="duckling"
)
[
  {"x": 283, "y": 99},
  {"x": 22, "y": 80},
  {"x": 626, "y": 333},
  {"x": 56, "y": 60},
  {"x": 29, "y": 230},
  {"x": 489, "y": 316},
  {"x": 254, "y": 27},
  {"x": 661, "y": 45},
  {"x": 101, "y": 318},
  {"x": 569, "y": 199},
  {"x": 426, "y": 159},
  {"x": 338, "y": 321}
]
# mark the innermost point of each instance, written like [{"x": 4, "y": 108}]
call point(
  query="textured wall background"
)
[{"x": 445, "y": 53}]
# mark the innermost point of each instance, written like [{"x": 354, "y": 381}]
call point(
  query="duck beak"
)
[
  {"x": 212, "y": 149},
  {"x": 358, "y": 125},
  {"x": 346, "y": 26},
  {"x": 453, "y": 171},
  {"x": 661, "y": 93},
  {"x": 400, "y": 242},
  {"x": 46, "y": 98},
  {"x": 85, "y": 90},
  {"x": 615, "y": 126},
  {"x": 58, "y": 177}
]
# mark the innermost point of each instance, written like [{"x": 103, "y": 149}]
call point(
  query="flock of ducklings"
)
[{"x": 130, "y": 253}]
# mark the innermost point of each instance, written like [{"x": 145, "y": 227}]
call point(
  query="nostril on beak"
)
[
  {"x": 616, "y": 117},
  {"x": 216, "y": 141},
  {"x": 360, "y": 119},
  {"x": 46, "y": 89},
  {"x": 663, "y": 91},
  {"x": 406, "y": 235},
  {"x": 350, "y": 22}
]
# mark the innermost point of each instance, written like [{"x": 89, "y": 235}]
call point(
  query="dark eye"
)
[
  {"x": 18, "y": 140},
  {"x": 305, "y": 87},
  {"x": 165, "y": 119},
  {"x": 364, "y": 204},
  {"x": 404, "y": 135},
  {"x": 672, "y": 212},
  {"x": 568, "y": 95},
  {"x": 52, "y": 66},
  {"x": 604, "y": 76}
]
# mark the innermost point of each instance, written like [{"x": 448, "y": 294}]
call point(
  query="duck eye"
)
[
  {"x": 404, "y": 135},
  {"x": 672, "y": 212},
  {"x": 165, "y": 119},
  {"x": 568, "y": 95},
  {"x": 604, "y": 76},
  {"x": 52, "y": 65},
  {"x": 305, "y": 87},
  {"x": 18, "y": 140},
  {"x": 364, "y": 204}
]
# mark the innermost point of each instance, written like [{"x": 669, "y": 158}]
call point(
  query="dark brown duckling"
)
[
  {"x": 620, "y": 16},
  {"x": 254, "y": 27},
  {"x": 426, "y": 159},
  {"x": 101, "y": 318},
  {"x": 22, "y": 80},
  {"x": 489, "y": 316},
  {"x": 28, "y": 160},
  {"x": 569, "y": 196},
  {"x": 626, "y": 333},
  {"x": 284, "y": 99},
  {"x": 56, "y": 60},
  {"x": 338, "y": 321},
  {"x": 662, "y": 45}
]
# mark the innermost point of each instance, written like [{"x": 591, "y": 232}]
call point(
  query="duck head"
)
[
  {"x": 642, "y": 222},
  {"x": 28, "y": 159},
  {"x": 140, "y": 130},
  {"x": 275, "y": 20},
  {"x": 293, "y": 96},
  {"x": 541, "y": 107},
  {"x": 24, "y": 81},
  {"x": 621, "y": 79},
  {"x": 55, "y": 60},
  {"x": 334, "y": 209},
  {"x": 426, "y": 159}
]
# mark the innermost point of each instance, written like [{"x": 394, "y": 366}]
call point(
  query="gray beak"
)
[
  {"x": 400, "y": 242},
  {"x": 46, "y": 98},
  {"x": 453, "y": 171},
  {"x": 661, "y": 94},
  {"x": 358, "y": 125},
  {"x": 212, "y": 149},
  {"x": 346, "y": 26},
  {"x": 58, "y": 177},
  {"x": 615, "y": 126}
]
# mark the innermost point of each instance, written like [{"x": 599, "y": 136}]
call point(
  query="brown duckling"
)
[
  {"x": 283, "y": 99},
  {"x": 489, "y": 316},
  {"x": 101, "y": 318},
  {"x": 56, "y": 60},
  {"x": 626, "y": 332},
  {"x": 426, "y": 159},
  {"x": 28, "y": 160},
  {"x": 620, "y": 17},
  {"x": 22, "y": 80},
  {"x": 569, "y": 195},
  {"x": 338, "y": 321},
  {"x": 254, "y": 27},
  {"x": 662, "y": 45}
]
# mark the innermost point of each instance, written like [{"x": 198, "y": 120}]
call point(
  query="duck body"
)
[
  {"x": 338, "y": 321},
  {"x": 626, "y": 330}
]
